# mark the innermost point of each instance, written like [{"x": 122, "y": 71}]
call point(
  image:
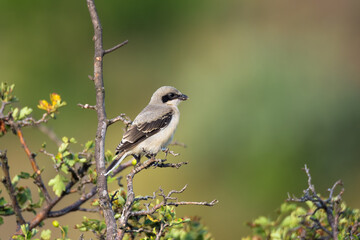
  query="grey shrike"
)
[{"x": 153, "y": 129}]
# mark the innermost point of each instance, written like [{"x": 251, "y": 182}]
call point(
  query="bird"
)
[{"x": 153, "y": 128}]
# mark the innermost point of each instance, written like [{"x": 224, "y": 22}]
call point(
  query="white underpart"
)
[{"x": 159, "y": 140}]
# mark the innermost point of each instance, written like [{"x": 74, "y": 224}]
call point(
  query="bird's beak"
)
[{"x": 183, "y": 97}]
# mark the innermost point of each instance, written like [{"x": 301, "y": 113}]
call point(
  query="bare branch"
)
[
  {"x": 75, "y": 206},
  {"x": 331, "y": 190},
  {"x": 87, "y": 106},
  {"x": 168, "y": 151},
  {"x": 115, "y": 47},
  {"x": 311, "y": 186},
  {"x": 121, "y": 167},
  {"x": 176, "y": 143},
  {"x": 172, "y": 165},
  {"x": 2, "y": 107},
  {"x": 10, "y": 189},
  {"x": 145, "y": 197},
  {"x": 331, "y": 206},
  {"x": 30, "y": 121},
  {"x": 38, "y": 180},
  {"x": 161, "y": 231},
  {"x": 127, "y": 212},
  {"x": 163, "y": 203},
  {"x": 122, "y": 117},
  {"x": 102, "y": 190},
  {"x": 50, "y": 133}
]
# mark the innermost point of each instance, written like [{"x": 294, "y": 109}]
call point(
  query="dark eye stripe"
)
[{"x": 169, "y": 97}]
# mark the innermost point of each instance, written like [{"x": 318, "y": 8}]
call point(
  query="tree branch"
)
[
  {"x": 161, "y": 231},
  {"x": 102, "y": 190},
  {"x": 122, "y": 117},
  {"x": 115, "y": 47},
  {"x": 38, "y": 180},
  {"x": 43, "y": 214},
  {"x": 73, "y": 207},
  {"x": 130, "y": 199},
  {"x": 2, "y": 107},
  {"x": 50, "y": 133},
  {"x": 10, "y": 189},
  {"x": 87, "y": 106},
  {"x": 330, "y": 206}
]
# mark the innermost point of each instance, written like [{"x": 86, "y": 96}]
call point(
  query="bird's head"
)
[{"x": 168, "y": 95}]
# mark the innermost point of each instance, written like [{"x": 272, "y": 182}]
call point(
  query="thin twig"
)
[
  {"x": 127, "y": 209},
  {"x": 75, "y": 206},
  {"x": 116, "y": 47},
  {"x": 176, "y": 143},
  {"x": 161, "y": 230},
  {"x": 2, "y": 107},
  {"x": 50, "y": 133},
  {"x": 121, "y": 167},
  {"x": 30, "y": 121},
  {"x": 122, "y": 117},
  {"x": 163, "y": 203},
  {"x": 172, "y": 165},
  {"x": 87, "y": 106},
  {"x": 331, "y": 205},
  {"x": 38, "y": 180}
]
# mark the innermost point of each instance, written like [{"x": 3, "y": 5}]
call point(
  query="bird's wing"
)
[{"x": 141, "y": 130}]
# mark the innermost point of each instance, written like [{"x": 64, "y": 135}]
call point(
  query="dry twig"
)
[{"x": 330, "y": 205}]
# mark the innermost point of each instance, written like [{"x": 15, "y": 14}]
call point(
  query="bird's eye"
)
[{"x": 171, "y": 95}]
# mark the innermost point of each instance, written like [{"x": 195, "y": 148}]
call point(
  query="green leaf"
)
[
  {"x": 65, "y": 139},
  {"x": 24, "y": 196},
  {"x": 65, "y": 230},
  {"x": 24, "y": 112},
  {"x": 71, "y": 162},
  {"x": 63, "y": 147},
  {"x": 46, "y": 234},
  {"x": 1, "y": 220},
  {"x": 72, "y": 140},
  {"x": 58, "y": 183},
  {"x": 64, "y": 168},
  {"x": 262, "y": 221},
  {"x": 22, "y": 175},
  {"x": 88, "y": 145},
  {"x": 15, "y": 113},
  {"x": 24, "y": 228},
  {"x": 111, "y": 179}
]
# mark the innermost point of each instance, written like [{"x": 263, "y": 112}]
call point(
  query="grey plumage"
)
[{"x": 153, "y": 128}]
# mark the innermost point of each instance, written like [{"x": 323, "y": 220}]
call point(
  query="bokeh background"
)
[{"x": 272, "y": 84}]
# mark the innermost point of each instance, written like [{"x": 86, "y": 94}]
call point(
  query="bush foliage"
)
[{"x": 75, "y": 170}]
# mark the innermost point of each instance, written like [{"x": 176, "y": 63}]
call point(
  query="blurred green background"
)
[{"x": 272, "y": 84}]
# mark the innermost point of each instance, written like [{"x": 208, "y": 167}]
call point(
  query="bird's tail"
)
[{"x": 116, "y": 162}]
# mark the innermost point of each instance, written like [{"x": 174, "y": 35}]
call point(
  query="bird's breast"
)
[{"x": 161, "y": 139}]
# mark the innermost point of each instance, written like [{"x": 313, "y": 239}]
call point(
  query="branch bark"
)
[
  {"x": 102, "y": 190},
  {"x": 38, "y": 180},
  {"x": 73, "y": 207},
  {"x": 9, "y": 187},
  {"x": 130, "y": 199},
  {"x": 330, "y": 205}
]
